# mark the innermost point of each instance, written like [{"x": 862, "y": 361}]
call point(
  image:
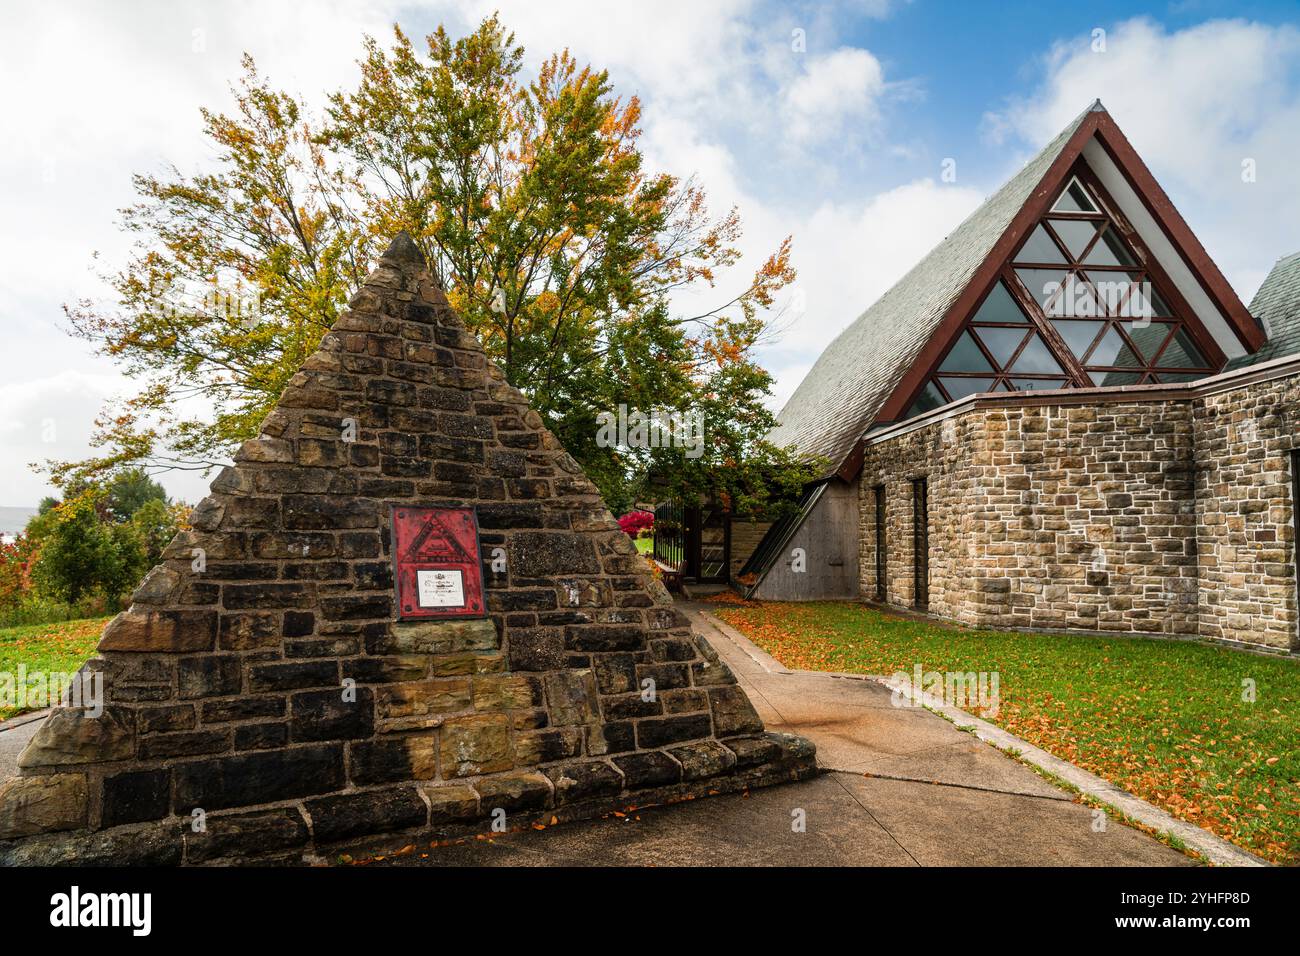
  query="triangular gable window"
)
[
  {"x": 999, "y": 307},
  {"x": 1076, "y": 234},
  {"x": 1074, "y": 307},
  {"x": 1041, "y": 248},
  {"x": 967, "y": 356},
  {"x": 1002, "y": 343},
  {"x": 1036, "y": 359},
  {"x": 1074, "y": 198}
]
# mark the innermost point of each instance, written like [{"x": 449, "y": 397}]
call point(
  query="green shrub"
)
[{"x": 35, "y": 609}]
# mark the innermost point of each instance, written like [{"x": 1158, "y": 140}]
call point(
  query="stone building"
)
[
  {"x": 266, "y": 695},
  {"x": 1061, "y": 418}
]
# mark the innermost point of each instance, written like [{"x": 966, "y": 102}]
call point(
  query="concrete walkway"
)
[
  {"x": 904, "y": 787},
  {"x": 14, "y": 734}
]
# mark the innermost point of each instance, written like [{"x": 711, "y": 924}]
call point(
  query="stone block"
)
[
  {"x": 752, "y": 751},
  {"x": 571, "y": 697},
  {"x": 537, "y": 554},
  {"x": 136, "y": 796},
  {"x": 654, "y": 732},
  {"x": 537, "y": 649},
  {"x": 330, "y": 715},
  {"x": 432, "y": 698},
  {"x": 442, "y": 637},
  {"x": 241, "y": 834},
  {"x": 245, "y": 632},
  {"x": 707, "y": 758},
  {"x": 264, "y": 777},
  {"x": 514, "y": 792},
  {"x": 72, "y": 736},
  {"x": 476, "y": 744},
  {"x": 145, "y": 630},
  {"x": 391, "y": 759},
  {"x": 732, "y": 712},
  {"x": 506, "y": 692},
  {"x": 212, "y": 675},
  {"x": 583, "y": 781},
  {"x": 654, "y": 769},
  {"x": 451, "y": 803},
  {"x": 347, "y": 815},
  {"x": 56, "y": 801},
  {"x": 546, "y": 746}
]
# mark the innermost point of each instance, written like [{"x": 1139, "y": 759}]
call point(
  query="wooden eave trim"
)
[
  {"x": 1180, "y": 235},
  {"x": 1183, "y": 311}
]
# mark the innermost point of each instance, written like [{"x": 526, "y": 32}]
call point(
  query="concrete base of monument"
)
[{"x": 368, "y": 821}]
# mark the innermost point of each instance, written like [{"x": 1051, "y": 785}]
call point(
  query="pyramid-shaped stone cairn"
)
[{"x": 261, "y": 698}]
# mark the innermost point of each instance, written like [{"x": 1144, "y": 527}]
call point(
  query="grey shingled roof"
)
[
  {"x": 1277, "y": 305},
  {"x": 842, "y": 393}
]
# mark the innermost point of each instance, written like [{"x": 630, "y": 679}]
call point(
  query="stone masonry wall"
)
[
  {"x": 1244, "y": 510},
  {"x": 936, "y": 452},
  {"x": 1071, "y": 517},
  {"x": 1170, "y": 516},
  {"x": 260, "y": 684}
]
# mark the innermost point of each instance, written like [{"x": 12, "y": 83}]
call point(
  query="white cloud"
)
[
  {"x": 42, "y": 419},
  {"x": 835, "y": 89},
  {"x": 680, "y": 50},
  {"x": 1195, "y": 103},
  {"x": 112, "y": 90},
  {"x": 849, "y": 255},
  {"x": 94, "y": 93}
]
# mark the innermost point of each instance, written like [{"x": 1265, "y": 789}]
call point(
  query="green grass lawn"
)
[
  {"x": 46, "y": 648},
  {"x": 644, "y": 545},
  {"x": 1165, "y": 720}
]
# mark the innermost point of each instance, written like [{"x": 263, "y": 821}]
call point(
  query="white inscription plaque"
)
[{"x": 440, "y": 588}]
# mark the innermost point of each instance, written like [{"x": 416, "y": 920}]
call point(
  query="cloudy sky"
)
[{"x": 831, "y": 122}]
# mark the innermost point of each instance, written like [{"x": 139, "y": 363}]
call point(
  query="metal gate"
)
[
  {"x": 694, "y": 541},
  {"x": 670, "y": 542},
  {"x": 712, "y": 536}
]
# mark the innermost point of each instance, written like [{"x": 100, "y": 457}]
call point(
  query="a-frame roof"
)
[{"x": 868, "y": 374}]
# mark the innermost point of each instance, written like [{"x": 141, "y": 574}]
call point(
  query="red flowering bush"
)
[{"x": 635, "y": 523}]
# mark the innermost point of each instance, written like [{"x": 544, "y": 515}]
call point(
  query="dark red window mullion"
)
[
  {"x": 1037, "y": 318},
  {"x": 1085, "y": 274},
  {"x": 1148, "y": 262},
  {"x": 1061, "y": 246},
  {"x": 1096, "y": 238},
  {"x": 1173, "y": 334},
  {"x": 1102, "y": 325}
]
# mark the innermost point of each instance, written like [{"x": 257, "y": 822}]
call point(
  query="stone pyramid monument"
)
[{"x": 263, "y": 696}]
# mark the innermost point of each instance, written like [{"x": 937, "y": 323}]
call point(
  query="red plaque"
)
[{"x": 436, "y": 563}]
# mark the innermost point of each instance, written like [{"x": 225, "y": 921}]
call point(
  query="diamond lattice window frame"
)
[{"x": 1130, "y": 365}]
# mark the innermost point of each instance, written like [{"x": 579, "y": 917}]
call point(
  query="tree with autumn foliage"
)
[{"x": 530, "y": 200}]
